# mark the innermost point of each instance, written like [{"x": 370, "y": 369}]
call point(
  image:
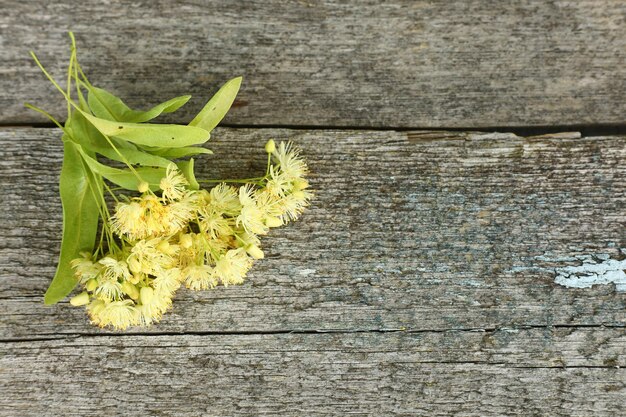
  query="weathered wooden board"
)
[
  {"x": 334, "y": 63},
  {"x": 534, "y": 372},
  {"x": 418, "y": 230}
]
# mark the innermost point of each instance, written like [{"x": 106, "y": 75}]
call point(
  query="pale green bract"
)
[
  {"x": 215, "y": 110},
  {"x": 102, "y": 124},
  {"x": 106, "y": 106},
  {"x": 171, "y": 136}
]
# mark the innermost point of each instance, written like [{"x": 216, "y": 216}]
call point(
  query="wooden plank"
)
[
  {"x": 417, "y": 230},
  {"x": 530, "y": 372},
  {"x": 334, "y": 63}
]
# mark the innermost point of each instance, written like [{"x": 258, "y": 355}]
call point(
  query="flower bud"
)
[
  {"x": 270, "y": 146},
  {"x": 143, "y": 187},
  {"x": 186, "y": 241},
  {"x": 135, "y": 278},
  {"x": 80, "y": 299},
  {"x": 91, "y": 285},
  {"x": 163, "y": 246},
  {"x": 130, "y": 290},
  {"x": 203, "y": 195},
  {"x": 146, "y": 295},
  {"x": 299, "y": 195},
  {"x": 273, "y": 221},
  {"x": 300, "y": 184},
  {"x": 96, "y": 306},
  {"x": 255, "y": 252},
  {"x": 134, "y": 265}
]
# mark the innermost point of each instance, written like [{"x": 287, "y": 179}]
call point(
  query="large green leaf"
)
[
  {"x": 107, "y": 106},
  {"x": 80, "y": 221},
  {"x": 125, "y": 178},
  {"x": 165, "y": 135},
  {"x": 217, "y": 107}
]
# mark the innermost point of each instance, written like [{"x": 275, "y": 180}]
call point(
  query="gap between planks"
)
[
  {"x": 522, "y": 131},
  {"x": 73, "y": 335}
]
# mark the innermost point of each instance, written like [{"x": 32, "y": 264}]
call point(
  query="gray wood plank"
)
[
  {"x": 533, "y": 372},
  {"x": 417, "y": 230},
  {"x": 334, "y": 63}
]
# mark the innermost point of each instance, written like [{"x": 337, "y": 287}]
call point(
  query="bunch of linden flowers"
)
[
  {"x": 130, "y": 262},
  {"x": 196, "y": 238}
]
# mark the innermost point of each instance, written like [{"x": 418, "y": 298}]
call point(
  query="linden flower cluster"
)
[{"x": 196, "y": 238}]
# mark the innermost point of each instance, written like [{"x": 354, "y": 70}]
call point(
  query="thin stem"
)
[
  {"x": 269, "y": 161},
  {"x": 69, "y": 78},
  {"x": 242, "y": 180},
  {"x": 111, "y": 192},
  {"x": 102, "y": 206},
  {"x": 58, "y": 87},
  {"x": 123, "y": 158},
  {"x": 45, "y": 113}
]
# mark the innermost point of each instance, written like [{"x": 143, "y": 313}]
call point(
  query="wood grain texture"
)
[
  {"x": 421, "y": 282},
  {"x": 418, "y": 230},
  {"x": 533, "y": 372},
  {"x": 333, "y": 63}
]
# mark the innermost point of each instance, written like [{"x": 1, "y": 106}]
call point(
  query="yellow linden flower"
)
[
  {"x": 84, "y": 268},
  {"x": 213, "y": 223},
  {"x": 179, "y": 214},
  {"x": 108, "y": 290},
  {"x": 233, "y": 266},
  {"x": 199, "y": 277},
  {"x": 140, "y": 219},
  {"x": 114, "y": 269},
  {"x": 146, "y": 258},
  {"x": 117, "y": 314},
  {"x": 250, "y": 217},
  {"x": 127, "y": 219},
  {"x": 289, "y": 161},
  {"x": 153, "y": 304},
  {"x": 224, "y": 198},
  {"x": 278, "y": 183},
  {"x": 168, "y": 281},
  {"x": 212, "y": 249},
  {"x": 174, "y": 184},
  {"x": 294, "y": 204},
  {"x": 268, "y": 203}
]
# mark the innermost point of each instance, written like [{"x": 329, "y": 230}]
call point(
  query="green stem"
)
[
  {"x": 242, "y": 180},
  {"x": 45, "y": 113},
  {"x": 111, "y": 192},
  {"x": 69, "y": 78},
  {"x": 123, "y": 158}
]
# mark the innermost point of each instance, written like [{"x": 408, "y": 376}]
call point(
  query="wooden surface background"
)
[{"x": 421, "y": 281}]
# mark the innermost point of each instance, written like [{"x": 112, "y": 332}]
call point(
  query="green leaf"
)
[
  {"x": 125, "y": 178},
  {"x": 186, "y": 167},
  {"x": 165, "y": 135},
  {"x": 80, "y": 221},
  {"x": 174, "y": 153},
  {"x": 217, "y": 107},
  {"x": 132, "y": 156},
  {"x": 107, "y": 106},
  {"x": 82, "y": 132}
]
